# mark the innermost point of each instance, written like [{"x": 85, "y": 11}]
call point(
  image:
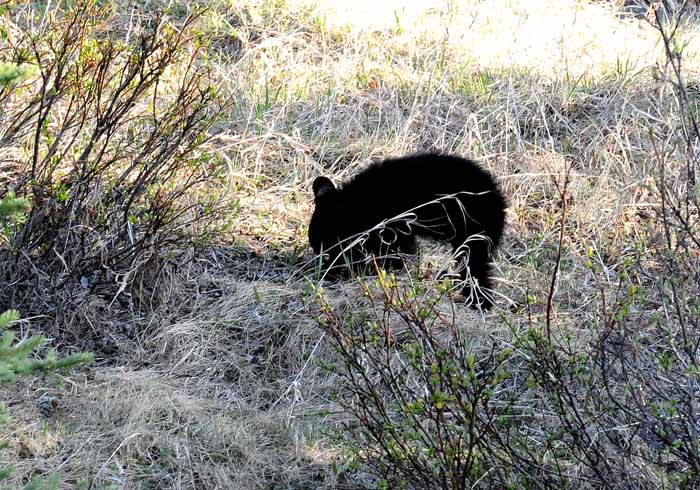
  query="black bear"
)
[{"x": 380, "y": 211}]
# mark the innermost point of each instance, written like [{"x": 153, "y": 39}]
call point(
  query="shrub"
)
[
  {"x": 434, "y": 407},
  {"x": 421, "y": 392},
  {"x": 115, "y": 125}
]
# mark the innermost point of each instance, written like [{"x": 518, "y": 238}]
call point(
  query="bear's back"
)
[{"x": 398, "y": 184}]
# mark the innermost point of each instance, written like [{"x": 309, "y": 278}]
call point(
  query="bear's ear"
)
[{"x": 322, "y": 185}]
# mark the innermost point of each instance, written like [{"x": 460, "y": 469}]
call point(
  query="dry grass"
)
[{"x": 219, "y": 386}]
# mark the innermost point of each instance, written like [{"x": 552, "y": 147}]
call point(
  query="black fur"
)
[{"x": 381, "y": 210}]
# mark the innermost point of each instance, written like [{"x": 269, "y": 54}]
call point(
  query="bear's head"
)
[{"x": 323, "y": 225}]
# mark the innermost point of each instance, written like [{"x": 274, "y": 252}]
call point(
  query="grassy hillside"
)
[{"x": 217, "y": 356}]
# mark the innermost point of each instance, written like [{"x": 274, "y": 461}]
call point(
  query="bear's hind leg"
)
[{"x": 474, "y": 256}]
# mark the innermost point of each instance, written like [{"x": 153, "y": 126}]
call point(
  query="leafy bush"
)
[
  {"x": 421, "y": 392},
  {"x": 434, "y": 407},
  {"x": 114, "y": 123}
]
